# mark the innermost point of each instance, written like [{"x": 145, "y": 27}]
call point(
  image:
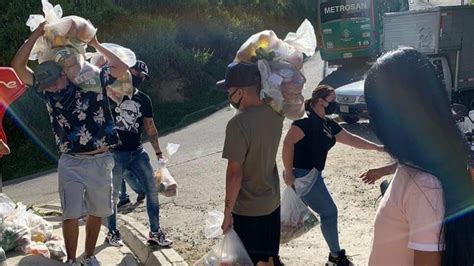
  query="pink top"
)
[{"x": 409, "y": 218}]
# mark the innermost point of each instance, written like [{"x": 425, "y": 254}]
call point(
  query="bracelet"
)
[{"x": 159, "y": 153}]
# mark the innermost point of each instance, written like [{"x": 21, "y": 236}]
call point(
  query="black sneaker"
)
[
  {"x": 340, "y": 260},
  {"x": 122, "y": 203},
  {"x": 114, "y": 239},
  {"x": 159, "y": 238},
  {"x": 141, "y": 197}
]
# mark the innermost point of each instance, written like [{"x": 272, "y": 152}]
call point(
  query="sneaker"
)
[
  {"x": 122, "y": 203},
  {"x": 114, "y": 239},
  {"x": 140, "y": 197},
  {"x": 90, "y": 261},
  {"x": 72, "y": 263},
  {"x": 340, "y": 260},
  {"x": 159, "y": 238}
]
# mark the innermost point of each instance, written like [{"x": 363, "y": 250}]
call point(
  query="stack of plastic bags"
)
[
  {"x": 166, "y": 183},
  {"x": 280, "y": 63},
  {"x": 25, "y": 231},
  {"x": 229, "y": 250},
  {"x": 65, "y": 41},
  {"x": 296, "y": 218}
]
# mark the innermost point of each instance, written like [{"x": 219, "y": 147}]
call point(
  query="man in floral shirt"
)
[{"x": 84, "y": 130}]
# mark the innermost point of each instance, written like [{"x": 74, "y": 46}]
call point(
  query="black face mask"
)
[
  {"x": 136, "y": 81},
  {"x": 236, "y": 105},
  {"x": 331, "y": 108}
]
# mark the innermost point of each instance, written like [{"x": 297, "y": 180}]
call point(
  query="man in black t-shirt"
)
[{"x": 132, "y": 116}]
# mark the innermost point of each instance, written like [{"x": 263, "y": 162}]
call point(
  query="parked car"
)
[{"x": 351, "y": 102}]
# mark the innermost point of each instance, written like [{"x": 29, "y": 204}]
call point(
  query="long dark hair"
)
[
  {"x": 410, "y": 110},
  {"x": 320, "y": 92}
]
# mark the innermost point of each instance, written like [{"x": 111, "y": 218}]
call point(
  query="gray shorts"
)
[{"x": 85, "y": 185}]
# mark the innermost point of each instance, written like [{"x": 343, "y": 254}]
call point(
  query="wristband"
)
[{"x": 159, "y": 153}]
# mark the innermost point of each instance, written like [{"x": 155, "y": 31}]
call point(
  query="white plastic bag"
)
[
  {"x": 56, "y": 249},
  {"x": 7, "y": 206},
  {"x": 229, "y": 251},
  {"x": 296, "y": 218},
  {"x": 127, "y": 55},
  {"x": 121, "y": 87},
  {"x": 64, "y": 30},
  {"x": 213, "y": 224},
  {"x": 14, "y": 236},
  {"x": 70, "y": 60},
  {"x": 38, "y": 248},
  {"x": 89, "y": 78},
  {"x": 304, "y": 40},
  {"x": 266, "y": 45},
  {"x": 59, "y": 31},
  {"x": 166, "y": 183},
  {"x": 304, "y": 184},
  {"x": 282, "y": 87}
]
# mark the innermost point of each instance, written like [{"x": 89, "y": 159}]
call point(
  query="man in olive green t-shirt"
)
[{"x": 252, "y": 201}]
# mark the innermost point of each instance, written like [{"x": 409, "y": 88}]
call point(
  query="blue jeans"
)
[
  {"x": 320, "y": 201},
  {"x": 138, "y": 163},
  {"x": 133, "y": 182}
]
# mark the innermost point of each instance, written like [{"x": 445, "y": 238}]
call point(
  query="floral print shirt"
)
[{"x": 81, "y": 120}]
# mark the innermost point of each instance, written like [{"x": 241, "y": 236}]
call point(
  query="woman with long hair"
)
[
  {"x": 305, "y": 149},
  {"x": 426, "y": 216}
]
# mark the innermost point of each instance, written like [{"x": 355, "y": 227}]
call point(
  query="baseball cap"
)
[
  {"x": 142, "y": 68},
  {"x": 240, "y": 75},
  {"x": 46, "y": 74}
]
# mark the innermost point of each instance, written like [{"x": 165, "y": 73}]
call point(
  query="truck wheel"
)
[{"x": 349, "y": 119}]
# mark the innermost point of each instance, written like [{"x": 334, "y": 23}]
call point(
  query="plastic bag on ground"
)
[
  {"x": 166, "y": 183},
  {"x": 296, "y": 218},
  {"x": 7, "y": 206},
  {"x": 56, "y": 249},
  {"x": 14, "y": 236},
  {"x": 229, "y": 251},
  {"x": 39, "y": 230},
  {"x": 213, "y": 224},
  {"x": 38, "y": 248}
]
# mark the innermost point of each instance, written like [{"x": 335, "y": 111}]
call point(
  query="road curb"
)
[{"x": 134, "y": 235}]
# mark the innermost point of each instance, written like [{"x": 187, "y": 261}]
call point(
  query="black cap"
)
[
  {"x": 46, "y": 74},
  {"x": 240, "y": 75},
  {"x": 141, "y": 67}
]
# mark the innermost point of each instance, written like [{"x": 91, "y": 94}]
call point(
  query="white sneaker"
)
[{"x": 90, "y": 261}]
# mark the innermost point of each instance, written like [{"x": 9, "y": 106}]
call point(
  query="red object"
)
[{"x": 11, "y": 87}]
